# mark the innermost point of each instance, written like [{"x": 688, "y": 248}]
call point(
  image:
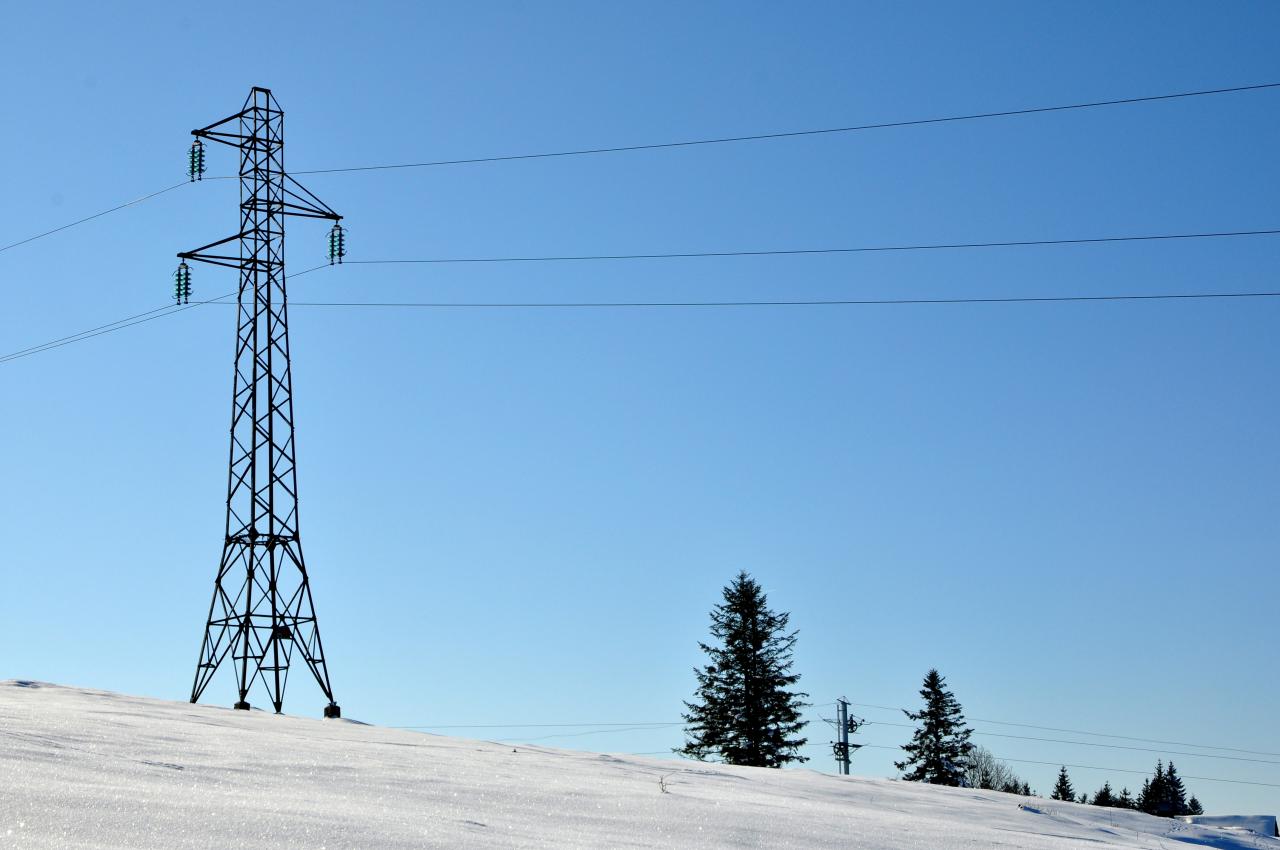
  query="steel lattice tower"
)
[{"x": 262, "y": 611}]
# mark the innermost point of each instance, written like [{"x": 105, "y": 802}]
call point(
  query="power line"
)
[
  {"x": 91, "y": 217},
  {"x": 810, "y": 303},
  {"x": 125, "y": 323},
  {"x": 1095, "y": 744},
  {"x": 798, "y": 133},
  {"x": 583, "y": 734},
  {"x": 1128, "y": 738},
  {"x": 691, "y": 143},
  {"x": 73, "y": 337},
  {"x": 1082, "y": 732},
  {"x": 1141, "y": 772},
  {"x": 638, "y": 724},
  {"x": 663, "y": 725},
  {"x": 619, "y": 727},
  {"x": 1083, "y": 767},
  {"x": 109, "y": 328},
  {"x": 801, "y": 251}
]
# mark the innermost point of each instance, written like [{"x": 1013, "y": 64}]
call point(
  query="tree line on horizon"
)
[
  {"x": 745, "y": 711},
  {"x": 1163, "y": 795}
]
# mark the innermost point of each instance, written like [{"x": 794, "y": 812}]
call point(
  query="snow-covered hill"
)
[{"x": 84, "y": 768}]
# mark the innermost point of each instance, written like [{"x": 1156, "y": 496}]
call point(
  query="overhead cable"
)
[{"x": 789, "y": 134}]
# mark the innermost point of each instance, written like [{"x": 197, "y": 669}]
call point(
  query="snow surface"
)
[{"x": 85, "y": 768}]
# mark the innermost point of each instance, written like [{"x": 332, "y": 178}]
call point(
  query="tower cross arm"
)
[
  {"x": 214, "y": 134},
  {"x": 309, "y": 212},
  {"x": 305, "y": 203},
  {"x": 232, "y": 139},
  {"x": 200, "y": 255}
]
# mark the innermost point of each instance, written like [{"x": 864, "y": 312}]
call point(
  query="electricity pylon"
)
[{"x": 262, "y": 611}]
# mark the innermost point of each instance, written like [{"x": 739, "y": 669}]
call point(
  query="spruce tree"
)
[
  {"x": 1175, "y": 793},
  {"x": 1146, "y": 797},
  {"x": 1063, "y": 790},
  {"x": 1125, "y": 800},
  {"x": 1164, "y": 795},
  {"x": 744, "y": 711},
  {"x": 939, "y": 748},
  {"x": 1194, "y": 807},
  {"x": 1155, "y": 794},
  {"x": 1105, "y": 796}
]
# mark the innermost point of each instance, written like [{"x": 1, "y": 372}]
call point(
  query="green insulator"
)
[
  {"x": 195, "y": 160},
  {"x": 337, "y": 244},
  {"x": 182, "y": 283}
]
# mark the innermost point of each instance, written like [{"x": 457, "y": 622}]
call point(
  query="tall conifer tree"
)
[
  {"x": 939, "y": 749},
  {"x": 744, "y": 711},
  {"x": 1174, "y": 803},
  {"x": 1154, "y": 796},
  {"x": 1145, "y": 801}
]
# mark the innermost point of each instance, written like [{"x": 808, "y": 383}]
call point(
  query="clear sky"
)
[{"x": 525, "y": 516}]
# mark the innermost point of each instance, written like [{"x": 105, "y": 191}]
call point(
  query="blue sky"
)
[{"x": 524, "y": 516}]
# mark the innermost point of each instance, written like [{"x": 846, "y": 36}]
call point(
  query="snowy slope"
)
[{"x": 82, "y": 768}]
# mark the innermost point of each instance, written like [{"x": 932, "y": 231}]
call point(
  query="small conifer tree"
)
[
  {"x": 744, "y": 711},
  {"x": 1125, "y": 800},
  {"x": 1105, "y": 796},
  {"x": 939, "y": 750},
  {"x": 1194, "y": 807},
  {"x": 1062, "y": 790}
]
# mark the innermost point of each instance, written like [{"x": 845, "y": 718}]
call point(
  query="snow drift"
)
[
  {"x": 84, "y": 768},
  {"x": 1259, "y": 824}
]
